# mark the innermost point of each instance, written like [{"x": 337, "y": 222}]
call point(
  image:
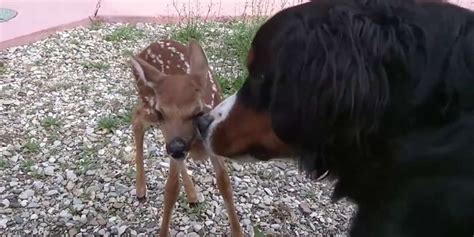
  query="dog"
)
[
  {"x": 378, "y": 95},
  {"x": 175, "y": 85}
]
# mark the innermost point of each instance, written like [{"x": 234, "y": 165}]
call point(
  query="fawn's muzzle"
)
[
  {"x": 203, "y": 122},
  {"x": 177, "y": 148}
]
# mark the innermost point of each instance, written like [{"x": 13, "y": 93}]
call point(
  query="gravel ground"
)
[{"x": 62, "y": 170}]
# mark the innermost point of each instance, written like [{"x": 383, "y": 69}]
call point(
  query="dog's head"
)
[
  {"x": 317, "y": 85},
  {"x": 175, "y": 99}
]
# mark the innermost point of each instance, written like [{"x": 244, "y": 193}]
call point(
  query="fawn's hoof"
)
[{"x": 142, "y": 199}]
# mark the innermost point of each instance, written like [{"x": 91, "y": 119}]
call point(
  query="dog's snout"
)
[
  {"x": 177, "y": 148},
  {"x": 203, "y": 122}
]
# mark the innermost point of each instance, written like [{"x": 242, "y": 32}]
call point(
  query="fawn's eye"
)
[
  {"x": 197, "y": 114},
  {"x": 159, "y": 115}
]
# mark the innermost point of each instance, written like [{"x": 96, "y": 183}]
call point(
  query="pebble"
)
[
  {"x": 3, "y": 223},
  {"x": 70, "y": 185},
  {"x": 5, "y": 203},
  {"x": 34, "y": 217},
  {"x": 33, "y": 205},
  {"x": 267, "y": 200},
  {"x": 90, "y": 172},
  {"x": 197, "y": 227},
  {"x": 71, "y": 176},
  {"x": 122, "y": 229},
  {"x": 27, "y": 194},
  {"x": 38, "y": 184},
  {"x": 237, "y": 166},
  {"x": 65, "y": 214},
  {"x": 24, "y": 203},
  {"x": 52, "y": 192},
  {"x": 121, "y": 188},
  {"x": 49, "y": 171},
  {"x": 305, "y": 207}
]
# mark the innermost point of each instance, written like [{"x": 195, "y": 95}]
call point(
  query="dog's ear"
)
[
  {"x": 331, "y": 76},
  {"x": 147, "y": 78},
  {"x": 198, "y": 64}
]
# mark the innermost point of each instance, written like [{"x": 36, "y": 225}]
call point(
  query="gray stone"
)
[
  {"x": 27, "y": 194},
  {"x": 49, "y": 171}
]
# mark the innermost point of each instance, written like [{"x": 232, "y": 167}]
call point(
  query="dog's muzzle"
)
[{"x": 202, "y": 123}]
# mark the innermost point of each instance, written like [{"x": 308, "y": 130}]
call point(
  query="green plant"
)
[
  {"x": 50, "y": 122},
  {"x": 238, "y": 43},
  {"x": 190, "y": 30},
  {"x": 96, "y": 25},
  {"x": 229, "y": 86},
  {"x": 85, "y": 161},
  {"x": 95, "y": 65},
  {"x": 257, "y": 232},
  {"x": 3, "y": 68},
  {"x": 125, "y": 33},
  {"x": 126, "y": 118},
  {"x": 3, "y": 163},
  {"x": 27, "y": 164},
  {"x": 31, "y": 147},
  {"x": 109, "y": 123},
  {"x": 127, "y": 53}
]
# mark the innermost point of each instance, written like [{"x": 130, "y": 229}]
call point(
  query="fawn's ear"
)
[
  {"x": 198, "y": 62},
  {"x": 147, "y": 78},
  {"x": 145, "y": 72}
]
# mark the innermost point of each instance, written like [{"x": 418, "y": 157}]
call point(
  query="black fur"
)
[{"x": 381, "y": 95}]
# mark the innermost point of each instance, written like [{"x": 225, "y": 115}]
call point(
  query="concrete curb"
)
[{"x": 39, "y": 35}]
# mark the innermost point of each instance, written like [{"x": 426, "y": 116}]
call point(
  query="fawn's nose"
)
[
  {"x": 203, "y": 122},
  {"x": 177, "y": 148}
]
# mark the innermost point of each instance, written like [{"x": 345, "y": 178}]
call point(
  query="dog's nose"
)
[
  {"x": 203, "y": 122},
  {"x": 177, "y": 148}
]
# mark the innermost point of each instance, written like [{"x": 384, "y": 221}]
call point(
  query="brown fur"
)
[{"x": 175, "y": 85}]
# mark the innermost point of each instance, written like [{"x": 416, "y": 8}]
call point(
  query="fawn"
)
[{"x": 175, "y": 86}]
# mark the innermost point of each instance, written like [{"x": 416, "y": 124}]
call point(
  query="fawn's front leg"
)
[
  {"x": 171, "y": 195},
  {"x": 139, "y": 127},
  {"x": 225, "y": 188},
  {"x": 189, "y": 187}
]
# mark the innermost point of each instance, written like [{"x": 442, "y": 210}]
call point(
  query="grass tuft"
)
[
  {"x": 31, "y": 147},
  {"x": 3, "y": 163},
  {"x": 96, "y": 25},
  {"x": 238, "y": 43},
  {"x": 189, "y": 31},
  {"x": 50, "y": 122},
  {"x": 258, "y": 232},
  {"x": 229, "y": 86},
  {"x": 125, "y": 33},
  {"x": 109, "y": 123},
  {"x": 3, "y": 68},
  {"x": 95, "y": 65},
  {"x": 27, "y": 164},
  {"x": 112, "y": 122}
]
